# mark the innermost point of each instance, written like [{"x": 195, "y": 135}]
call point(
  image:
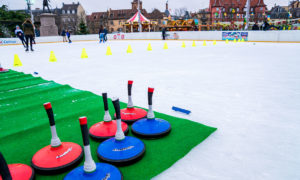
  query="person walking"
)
[
  {"x": 63, "y": 34},
  {"x": 20, "y": 34},
  {"x": 29, "y": 33},
  {"x": 69, "y": 36}
]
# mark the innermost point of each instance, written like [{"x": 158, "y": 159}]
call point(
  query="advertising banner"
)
[{"x": 234, "y": 35}]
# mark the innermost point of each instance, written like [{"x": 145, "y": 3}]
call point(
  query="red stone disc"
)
[
  {"x": 3, "y": 70},
  {"x": 130, "y": 115},
  {"x": 105, "y": 130},
  {"x": 20, "y": 172},
  {"x": 57, "y": 159}
]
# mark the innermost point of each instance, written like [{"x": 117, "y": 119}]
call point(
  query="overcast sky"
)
[{"x": 102, "y": 5}]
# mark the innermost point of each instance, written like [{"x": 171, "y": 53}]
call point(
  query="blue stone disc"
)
[
  {"x": 121, "y": 152},
  {"x": 151, "y": 128},
  {"x": 103, "y": 171}
]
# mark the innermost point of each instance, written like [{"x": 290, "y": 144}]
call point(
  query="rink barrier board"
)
[
  {"x": 155, "y": 40},
  {"x": 25, "y": 127},
  {"x": 253, "y": 36}
]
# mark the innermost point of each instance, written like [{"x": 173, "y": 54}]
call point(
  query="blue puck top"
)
[
  {"x": 151, "y": 126},
  {"x": 103, "y": 171},
  {"x": 125, "y": 149}
]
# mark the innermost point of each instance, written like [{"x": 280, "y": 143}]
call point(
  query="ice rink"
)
[{"x": 249, "y": 91}]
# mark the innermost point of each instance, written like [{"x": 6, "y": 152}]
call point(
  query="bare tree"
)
[{"x": 180, "y": 12}]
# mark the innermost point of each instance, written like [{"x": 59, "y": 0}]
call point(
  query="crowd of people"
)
[{"x": 266, "y": 26}]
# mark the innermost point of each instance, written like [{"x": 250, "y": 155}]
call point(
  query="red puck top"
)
[
  {"x": 83, "y": 120},
  {"x": 47, "y": 105},
  {"x": 151, "y": 90},
  {"x": 130, "y": 82}
]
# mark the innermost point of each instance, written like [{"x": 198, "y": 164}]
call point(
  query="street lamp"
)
[{"x": 139, "y": 15}]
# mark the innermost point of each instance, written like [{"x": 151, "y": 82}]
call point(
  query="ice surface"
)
[{"x": 250, "y": 92}]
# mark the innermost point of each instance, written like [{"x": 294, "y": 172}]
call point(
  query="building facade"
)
[
  {"x": 71, "y": 16},
  {"x": 235, "y": 10},
  {"x": 68, "y": 17},
  {"x": 114, "y": 20},
  {"x": 294, "y": 9}
]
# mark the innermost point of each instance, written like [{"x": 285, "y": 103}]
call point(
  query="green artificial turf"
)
[{"x": 24, "y": 125}]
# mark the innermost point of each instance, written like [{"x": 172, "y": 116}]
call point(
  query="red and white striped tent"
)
[{"x": 135, "y": 18}]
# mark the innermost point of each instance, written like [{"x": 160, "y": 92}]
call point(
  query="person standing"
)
[
  {"x": 101, "y": 34},
  {"x": 164, "y": 33},
  {"x": 29, "y": 33},
  {"x": 20, "y": 34},
  {"x": 69, "y": 36},
  {"x": 63, "y": 34},
  {"x": 105, "y": 34},
  {"x": 255, "y": 27}
]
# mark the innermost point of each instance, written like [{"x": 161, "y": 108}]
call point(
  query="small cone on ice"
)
[
  {"x": 17, "y": 61},
  {"x": 204, "y": 43},
  {"x": 84, "y": 54},
  {"x": 214, "y": 42},
  {"x": 165, "y": 46},
  {"x": 234, "y": 41},
  {"x": 243, "y": 40},
  {"x": 129, "y": 49},
  {"x": 108, "y": 51},
  {"x": 194, "y": 44},
  {"x": 149, "y": 48},
  {"x": 226, "y": 41},
  {"x": 183, "y": 44},
  {"x": 239, "y": 40},
  {"x": 52, "y": 57}
]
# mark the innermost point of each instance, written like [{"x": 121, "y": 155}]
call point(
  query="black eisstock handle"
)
[
  {"x": 150, "y": 94},
  {"x": 49, "y": 111},
  {"x": 104, "y": 95},
  {"x": 84, "y": 130},
  {"x": 4, "y": 171},
  {"x": 129, "y": 87},
  {"x": 117, "y": 108}
]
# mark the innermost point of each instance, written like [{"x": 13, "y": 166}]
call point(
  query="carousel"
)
[{"x": 132, "y": 24}]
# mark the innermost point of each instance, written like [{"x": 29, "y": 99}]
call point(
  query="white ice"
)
[{"x": 249, "y": 91}]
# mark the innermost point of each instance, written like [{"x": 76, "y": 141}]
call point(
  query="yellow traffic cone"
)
[
  {"x": 234, "y": 41},
  {"x": 214, "y": 42},
  {"x": 108, "y": 51},
  {"x": 17, "y": 61},
  {"x": 204, "y": 43},
  {"x": 52, "y": 57},
  {"x": 165, "y": 46},
  {"x": 243, "y": 40},
  {"x": 194, "y": 44},
  {"x": 129, "y": 49},
  {"x": 149, "y": 48},
  {"x": 226, "y": 41},
  {"x": 183, "y": 44},
  {"x": 239, "y": 40},
  {"x": 84, "y": 54}
]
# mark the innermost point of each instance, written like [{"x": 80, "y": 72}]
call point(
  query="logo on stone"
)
[
  {"x": 123, "y": 149},
  {"x": 128, "y": 113},
  {"x": 106, "y": 177},
  {"x": 65, "y": 153}
]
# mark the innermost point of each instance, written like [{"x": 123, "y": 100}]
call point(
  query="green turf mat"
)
[{"x": 24, "y": 126}]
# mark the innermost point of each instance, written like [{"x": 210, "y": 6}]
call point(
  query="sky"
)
[{"x": 102, "y": 5}]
